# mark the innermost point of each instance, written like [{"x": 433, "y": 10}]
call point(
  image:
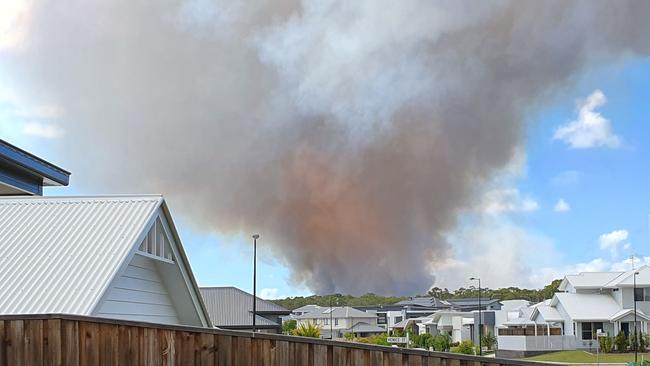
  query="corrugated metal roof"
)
[
  {"x": 58, "y": 254},
  {"x": 337, "y": 312},
  {"x": 230, "y": 306}
]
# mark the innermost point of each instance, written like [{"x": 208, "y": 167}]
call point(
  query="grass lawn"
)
[{"x": 586, "y": 357}]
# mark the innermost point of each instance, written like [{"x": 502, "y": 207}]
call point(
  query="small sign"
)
[
  {"x": 397, "y": 339},
  {"x": 600, "y": 333}
]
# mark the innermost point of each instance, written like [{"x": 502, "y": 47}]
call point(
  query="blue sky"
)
[{"x": 605, "y": 188}]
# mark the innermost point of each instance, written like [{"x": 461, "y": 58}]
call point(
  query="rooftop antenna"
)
[{"x": 632, "y": 260}]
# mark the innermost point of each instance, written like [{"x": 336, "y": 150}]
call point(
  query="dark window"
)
[
  {"x": 587, "y": 331},
  {"x": 398, "y": 319},
  {"x": 638, "y": 294},
  {"x": 336, "y": 321}
]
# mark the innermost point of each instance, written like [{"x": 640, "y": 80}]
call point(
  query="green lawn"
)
[{"x": 586, "y": 357}]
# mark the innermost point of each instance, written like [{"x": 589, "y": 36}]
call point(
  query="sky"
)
[{"x": 574, "y": 198}]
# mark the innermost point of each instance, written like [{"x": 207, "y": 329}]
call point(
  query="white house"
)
[
  {"x": 341, "y": 320},
  {"x": 113, "y": 257},
  {"x": 589, "y": 302}
]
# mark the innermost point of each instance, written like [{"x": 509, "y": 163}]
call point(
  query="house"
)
[
  {"x": 335, "y": 322},
  {"x": 470, "y": 304},
  {"x": 307, "y": 309},
  {"x": 22, "y": 173},
  {"x": 589, "y": 303},
  {"x": 417, "y": 307},
  {"x": 232, "y": 308},
  {"x": 106, "y": 256}
]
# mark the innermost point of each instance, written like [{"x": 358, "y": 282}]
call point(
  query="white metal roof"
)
[
  {"x": 59, "y": 254},
  {"x": 626, "y": 279},
  {"x": 586, "y": 280},
  {"x": 548, "y": 313},
  {"x": 587, "y": 307},
  {"x": 337, "y": 312}
]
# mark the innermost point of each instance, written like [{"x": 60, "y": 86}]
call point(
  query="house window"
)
[
  {"x": 589, "y": 330},
  {"x": 336, "y": 321},
  {"x": 638, "y": 294},
  {"x": 398, "y": 319},
  {"x": 327, "y": 322}
]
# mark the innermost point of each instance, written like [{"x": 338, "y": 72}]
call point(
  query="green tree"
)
[
  {"x": 621, "y": 342},
  {"x": 289, "y": 326},
  {"x": 307, "y": 330},
  {"x": 440, "y": 342},
  {"x": 606, "y": 344},
  {"x": 489, "y": 341}
]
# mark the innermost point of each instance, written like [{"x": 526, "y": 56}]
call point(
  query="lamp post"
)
[
  {"x": 331, "y": 320},
  {"x": 480, "y": 321},
  {"x": 255, "y": 237},
  {"x": 636, "y": 336}
]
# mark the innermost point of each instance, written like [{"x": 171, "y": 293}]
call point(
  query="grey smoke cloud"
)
[{"x": 350, "y": 134}]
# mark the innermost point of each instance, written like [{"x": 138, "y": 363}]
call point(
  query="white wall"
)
[{"x": 139, "y": 294}]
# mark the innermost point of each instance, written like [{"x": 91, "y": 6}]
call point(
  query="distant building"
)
[
  {"x": 232, "y": 308},
  {"x": 22, "y": 173},
  {"x": 111, "y": 257},
  {"x": 342, "y": 320}
]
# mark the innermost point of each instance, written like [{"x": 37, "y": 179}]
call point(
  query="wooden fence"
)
[{"x": 74, "y": 340}]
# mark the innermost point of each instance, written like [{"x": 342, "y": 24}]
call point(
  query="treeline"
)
[
  {"x": 508, "y": 293},
  {"x": 370, "y": 299},
  {"x": 338, "y": 300}
]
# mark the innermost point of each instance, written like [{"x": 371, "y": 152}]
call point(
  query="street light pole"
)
[
  {"x": 480, "y": 321},
  {"x": 255, "y": 237},
  {"x": 636, "y": 336},
  {"x": 331, "y": 321}
]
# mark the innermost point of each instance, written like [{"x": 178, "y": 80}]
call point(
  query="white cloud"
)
[
  {"x": 269, "y": 293},
  {"x": 562, "y": 206},
  {"x": 613, "y": 240},
  {"x": 590, "y": 129},
  {"x": 506, "y": 200},
  {"x": 42, "y": 130}
]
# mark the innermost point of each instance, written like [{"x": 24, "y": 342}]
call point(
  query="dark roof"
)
[
  {"x": 232, "y": 307},
  {"x": 429, "y": 302},
  {"x": 472, "y": 302},
  {"x": 24, "y": 173}
]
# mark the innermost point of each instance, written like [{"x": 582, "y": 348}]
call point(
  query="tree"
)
[
  {"x": 621, "y": 342},
  {"x": 488, "y": 340},
  {"x": 289, "y": 326},
  {"x": 307, "y": 330}
]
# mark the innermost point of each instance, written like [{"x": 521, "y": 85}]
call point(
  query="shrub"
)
[
  {"x": 348, "y": 336},
  {"x": 643, "y": 342},
  {"x": 440, "y": 342},
  {"x": 289, "y": 326},
  {"x": 307, "y": 330},
  {"x": 379, "y": 339},
  {"x": 465, "y": 347},
  {"x": 621, "y": 342},
  {"x": 488, "y": 340},
  {"x": 422, "y": 340},
  {"x": 606, "y": 344}
]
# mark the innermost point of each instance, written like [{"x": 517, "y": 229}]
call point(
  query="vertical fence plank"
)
[
  {"x": 281, "y": 353},
  {"x": 3, "y": 346},
  {"x": 88, "y": 343},
  {"x": 33, "y": 342},
  {"x": 52, "y": 354},
  {"x": 207, "y": 349},
  {"x": 301, "y": 354},
  {"x": 224, "y": 350},
  {"x": 415, "y": 360},
  {"x": 167, "y": 341},
  {"x": 108, "y": 345},
  {"x": 357, "y": 357},
  {"x": 395, "y": 359},
  {"x": 320, "y": 355},
  {"x": 15, "y": 335},
  {"x": 376, "y": 358},
  {"x": 340, "y": 355},
  {"x": 70, "y": 342},
  {"x": 243, "y": 351},
  {"x": 128, "y": 351}
]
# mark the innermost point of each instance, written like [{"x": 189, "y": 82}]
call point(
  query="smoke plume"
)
[{"x": 350, "y": 134}]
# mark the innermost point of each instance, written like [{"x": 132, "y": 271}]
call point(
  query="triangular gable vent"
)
[{"x": 156, "y": 243}]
